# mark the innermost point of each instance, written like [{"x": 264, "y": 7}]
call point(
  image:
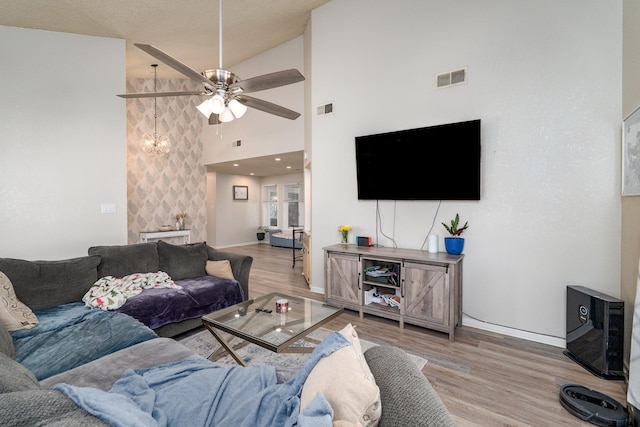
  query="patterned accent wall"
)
[{"x": 160, "y": 186}]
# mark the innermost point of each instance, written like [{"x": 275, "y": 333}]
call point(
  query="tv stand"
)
[{"x": 407, "y": 285}]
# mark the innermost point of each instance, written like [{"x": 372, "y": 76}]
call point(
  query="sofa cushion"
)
[
  {"x": 219, "y": 268},
  {"x": 409, "y": 399},
  {"x": 43, "y": 284},
  {"x": 14, "y": 314},
  {"x": 183, "y": 261},
  {"x": 120, "y": 261},
  {"x": 43, "y": 408},
  {"x": 15, "y": 377},
  {"x": 104, "y": 372},
  {"x": 6, "y": 343},
  {"x": 356, "y": 397},
  {"x": 70, "y": 335}
]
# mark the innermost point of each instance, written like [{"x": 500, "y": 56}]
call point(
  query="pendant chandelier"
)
[{"x": 154, "y": 143}]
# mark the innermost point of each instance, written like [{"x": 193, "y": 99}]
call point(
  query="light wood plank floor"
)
[{"x": 483, "y": 378}]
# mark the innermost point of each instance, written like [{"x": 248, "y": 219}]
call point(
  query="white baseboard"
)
[
  {"x": 235, "y": 245},
  {"x": 517, "y": 333},
  {"x": 316, "y": 290}
]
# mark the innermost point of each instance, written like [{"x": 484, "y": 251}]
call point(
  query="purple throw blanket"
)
[{"x": 198, "y": 296}]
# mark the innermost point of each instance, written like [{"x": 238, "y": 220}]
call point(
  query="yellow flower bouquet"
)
[{"x": 344, "y": 230}]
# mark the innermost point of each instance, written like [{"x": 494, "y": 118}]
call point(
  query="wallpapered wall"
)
[{"x": 160, "y": 186}]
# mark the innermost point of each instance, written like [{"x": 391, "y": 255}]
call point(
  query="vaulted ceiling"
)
[{"x": 187, "y": 30}]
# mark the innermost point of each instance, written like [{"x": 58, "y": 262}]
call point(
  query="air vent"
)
[
  {"x": 451, "y": 78},
  {"x": 324, "y": 109}
]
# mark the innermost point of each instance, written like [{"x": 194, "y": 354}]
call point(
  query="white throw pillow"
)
[
  {"x": 219, "y": 268},
  {"x": 14, "y": 314},
  {"x": 346, "y": 382}
]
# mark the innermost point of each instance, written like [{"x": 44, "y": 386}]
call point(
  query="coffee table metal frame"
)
[{"x": 273, "y": 331}]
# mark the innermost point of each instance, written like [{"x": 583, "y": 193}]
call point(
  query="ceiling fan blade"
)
[
  {"x": 214, "y": 120},
  {"x": 269, "y": 81},
  {"x": 158, "y": 94},
  {"x": 173, "y": 63},
  {"x": 268, "y": 107}
]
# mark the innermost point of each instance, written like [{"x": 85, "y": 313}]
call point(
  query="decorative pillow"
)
[
  {"x": 182, "y": 261},
  {"x": 44, "y": 284},
  {"x": 14, "y": 315},
  {"x": 356, "y": 397},
  {"x": 220, "y": 269}
]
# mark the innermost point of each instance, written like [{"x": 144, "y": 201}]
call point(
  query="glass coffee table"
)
[{"x": 258, "y": 321}]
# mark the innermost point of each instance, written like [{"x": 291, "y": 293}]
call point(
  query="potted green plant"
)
[
  {"x": 262, "y": 230},
  {"x": 454, "y": 243}
]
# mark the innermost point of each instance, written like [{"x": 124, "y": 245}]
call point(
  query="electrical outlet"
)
[{"x": 108, "y": 208}]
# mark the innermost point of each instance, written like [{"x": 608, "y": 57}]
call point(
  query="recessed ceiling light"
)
[
  {"x": 277, "y": 159},
  {"x": 288, "y": 167},
  {"x": 236, "y": 165},
  {"x": 252, "y": 174}
]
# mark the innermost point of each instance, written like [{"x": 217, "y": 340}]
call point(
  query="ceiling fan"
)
[{"x": 226, "y": 91}]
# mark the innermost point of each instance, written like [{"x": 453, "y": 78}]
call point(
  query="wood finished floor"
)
[{"x": 483, "y": 378}]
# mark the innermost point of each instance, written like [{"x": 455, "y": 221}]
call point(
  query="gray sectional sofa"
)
[
  {"x": 26, "y": 397},
  {"x": 407, "y": 398}
]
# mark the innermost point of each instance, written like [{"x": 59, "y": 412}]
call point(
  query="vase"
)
[
  {"x": 345, "y": 237},
  {"x": 180, "y": 224},
  {"x": 454, "y": 245}
]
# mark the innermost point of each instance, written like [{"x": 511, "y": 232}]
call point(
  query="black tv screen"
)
[{"x": 431, "y": 163}]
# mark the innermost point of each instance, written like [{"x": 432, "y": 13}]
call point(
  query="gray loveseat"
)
[{"x": 169, "y": 312}]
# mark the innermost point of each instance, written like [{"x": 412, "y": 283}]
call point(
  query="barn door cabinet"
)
[{"x": 406, "y": 285}]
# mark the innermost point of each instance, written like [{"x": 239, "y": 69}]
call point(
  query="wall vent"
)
[
  {"x": 321, "y": 110},
  {"x": 451, "y": 78},
  {"x": 236, "y": 143}
]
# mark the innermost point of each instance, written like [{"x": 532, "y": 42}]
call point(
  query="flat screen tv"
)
[{"x": 431, "y": 163}]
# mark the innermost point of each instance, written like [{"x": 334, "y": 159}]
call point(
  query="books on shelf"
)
[{"x": 382, "y": 272}]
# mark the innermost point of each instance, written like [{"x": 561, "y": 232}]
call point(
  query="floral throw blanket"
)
[{"x": 110, "y": 293}]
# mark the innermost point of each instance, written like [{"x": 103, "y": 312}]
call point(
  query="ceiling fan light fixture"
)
[
  {"x": 205, "y": 109},
  {"x": 216, "y": 104},
  {"x": 237, "y": 108},
  {"x": 226, "y": 115}
]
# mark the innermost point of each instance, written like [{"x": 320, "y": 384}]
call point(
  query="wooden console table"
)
[{"x": 146, "y": 235}]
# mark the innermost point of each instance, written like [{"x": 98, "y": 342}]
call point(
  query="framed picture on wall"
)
[
  {"x": 631, "y": 154},
  {"x": 240, "y": 192}
]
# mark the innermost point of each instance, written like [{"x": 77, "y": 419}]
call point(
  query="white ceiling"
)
[
  {"x": 187, "y": 30},
  {"x": 272, "y": 165}
]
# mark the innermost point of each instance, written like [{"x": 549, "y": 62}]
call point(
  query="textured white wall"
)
[
  {"x": 544, "y": 77},
  {"x": 261, "y": 134},
  {"x": 62, "y": 143},
  {"x": 237, "y": 221}
]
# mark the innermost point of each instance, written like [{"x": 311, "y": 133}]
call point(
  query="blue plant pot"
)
[{"x": 454, "y": 245}]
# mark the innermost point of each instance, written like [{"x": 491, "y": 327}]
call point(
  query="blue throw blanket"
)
[
  {"x": 71, "y": 335},
  {"x": 197, "y": 392}
]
